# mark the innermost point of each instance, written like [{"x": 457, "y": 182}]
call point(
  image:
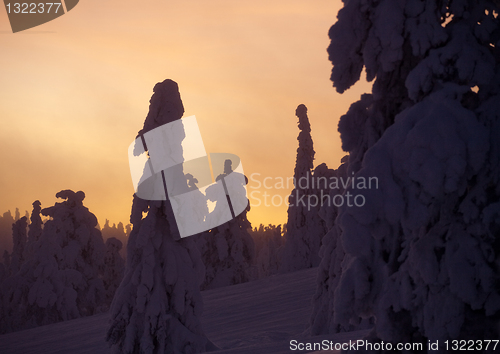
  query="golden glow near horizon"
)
[{"x": 75, "y": 91}]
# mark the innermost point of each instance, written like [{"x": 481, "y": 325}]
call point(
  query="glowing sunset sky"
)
[{"x": 75, "y": 91}]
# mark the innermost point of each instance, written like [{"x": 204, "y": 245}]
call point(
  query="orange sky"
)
[{"x": 75, "y": 91}]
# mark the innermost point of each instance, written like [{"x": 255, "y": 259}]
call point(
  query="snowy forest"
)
[{"x": 400, "y": 240}]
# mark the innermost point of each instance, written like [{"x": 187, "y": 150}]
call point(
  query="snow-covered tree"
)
[
  {"x": 6, "y": 221},
  {"x": 332, "y": 254},
  {"x": 35, "y": 229},
  {"x": 118, "y": 232},
  {"x": 120, "y": 229},
  {"x": 422, "y": 254},
  {"x": 268, "y": 240},
  {"x": 106, "y": 230},
  {"x": 304, "y": 226},
  {"x": 157, "y": 307},
  {"x": 114, "y": 266},
  {"x": 226, "y": 250},
  {"x": 6, "y": 261},
  {"x": 62, "y": 279},
  {"x": 19, "y": 237}
]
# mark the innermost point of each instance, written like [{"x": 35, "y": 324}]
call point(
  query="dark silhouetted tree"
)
[
  {"x": 422, "y": 254},
  {"x": 63, "y": 278},
  {"x": 304, "y": 226},
  {"x": 19, "y": 237},
  {"x": 35, "y": 229},
  {"x": 158, "y": 305}
]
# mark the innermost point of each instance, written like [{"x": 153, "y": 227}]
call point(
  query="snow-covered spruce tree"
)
[
  {"x": 304, "y": 226},
  {"x": 62, "y": 279},
  {"x": 227, "y": 250},
  {"x": 6, "y": 261},
  {"x": 332, "y": 255},
  {"x": 422, "y": 254},
  {"x": 114, "y": 266},
  {"x": 261, "y": 251},
  {"x": 267, "y": 241},
  {"x": 120, "y": 230},
  {"x": 116, "y": 231},
  {"x": 19, "y": 237},
  {"x": 35, "y": 229},
  {"x": 157, "y": 307},
  {"x": 6, "y": 221},
  {"x": 107, "y": 231}
]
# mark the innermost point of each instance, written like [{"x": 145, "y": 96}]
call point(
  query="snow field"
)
[{"x": 255, "y": 317}]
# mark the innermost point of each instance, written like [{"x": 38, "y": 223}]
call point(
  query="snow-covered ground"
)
[{"x": 256, "y": 317}]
